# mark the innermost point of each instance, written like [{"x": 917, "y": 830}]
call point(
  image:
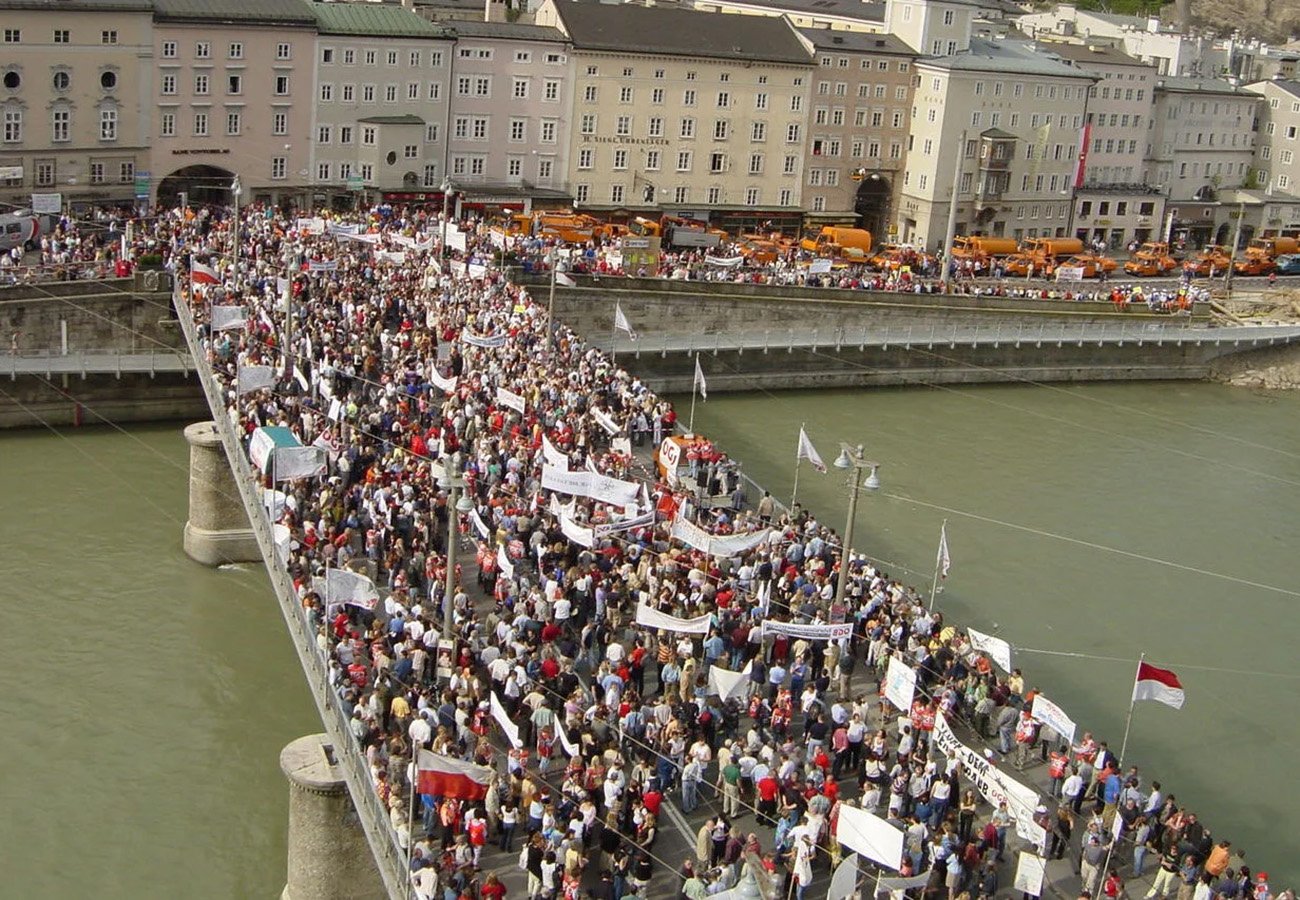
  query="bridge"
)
[{"x": 95, "y": 362}]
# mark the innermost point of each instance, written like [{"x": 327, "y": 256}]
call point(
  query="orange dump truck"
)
[
  {"x": 1261, "y": 256},
  {"x": 982, "y": 250},
  {"x": 1042, "y": 254},
  {"x": 1151, "y": 260}
]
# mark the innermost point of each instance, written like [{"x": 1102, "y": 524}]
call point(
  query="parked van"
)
[{"x": 21, "y": 229}]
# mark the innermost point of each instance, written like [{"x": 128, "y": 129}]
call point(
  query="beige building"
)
[
  {"x": 509, "y": 131},
  {"x": 379, "y": 120},
  {"x": 686, "y": 112},
  {"x": 74, "y": 100},
  {"x": 1277, "y": 127},
  {"x": 233, "y": 92},
  {"x": 860, "y": 105},
  {"x": 836, "y": 15},
  {"x": 1011, "y": 117}
]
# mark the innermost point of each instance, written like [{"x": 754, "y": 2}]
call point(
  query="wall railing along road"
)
[{"x": 390, "y": 858}]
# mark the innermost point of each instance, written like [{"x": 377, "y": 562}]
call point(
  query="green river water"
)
[{"x": 149, "y": 697}]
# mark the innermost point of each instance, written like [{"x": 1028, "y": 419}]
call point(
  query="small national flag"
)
[
  {"x": 699, "y": 379},
  {"x": 943, "y": 563},
  {"x": 809, "y": 452},
  {"x": 201, "y": 274},
  {"x": 564, "y": 279},
  {"x": 446, "y": 776},
  {"x": 621, "y": 323},
  {"x": 1158, "y": 684}
]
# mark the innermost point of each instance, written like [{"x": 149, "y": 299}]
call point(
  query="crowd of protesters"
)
[{"x": 615, "y": 719}]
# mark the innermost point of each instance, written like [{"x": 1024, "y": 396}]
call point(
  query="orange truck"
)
[
  {"x": 1261, "y": 256},
  {"x": 677, "y": 231},
  {"x": 1151, "y": 260},
  {"x": 834, "y": 242},
  {"x": 982, "y": 250},
  {"x": 1212, "y": 260},
  {"x": 1042, "y": 254},
  {"x": 1090, "y": 264},
  {"x": 572, "y": 228}
]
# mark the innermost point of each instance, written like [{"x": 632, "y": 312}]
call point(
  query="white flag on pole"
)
[
  {"x": 943, "y": 563},
  {"x": 562, "y": 278},
  {"x": 699, "y": 379},
  {"x": 621, "y": 323},
  {"x": 809, "y": 452}
]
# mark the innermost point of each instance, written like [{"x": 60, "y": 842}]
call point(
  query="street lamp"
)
[
  {"x": 447, "y": 187},
  {"x": 457, "y": 505},
  {"x": 851, "y": 459},
  {"x": 235, "y": 189}
]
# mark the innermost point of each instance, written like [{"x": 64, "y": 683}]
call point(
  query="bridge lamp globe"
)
[{"x": 464, "y": 506}]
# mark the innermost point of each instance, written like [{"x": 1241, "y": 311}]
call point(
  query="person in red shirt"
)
[
  {"x": 492, "y": 888},
  {"x": 652, "y": 799},
  {"x": 768, "y": 789}
]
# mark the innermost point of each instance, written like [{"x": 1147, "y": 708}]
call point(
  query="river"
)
[{"x": 152, "y": 695}]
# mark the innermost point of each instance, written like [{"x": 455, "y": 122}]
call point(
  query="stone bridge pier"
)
[{"x": 217, "y": 531}]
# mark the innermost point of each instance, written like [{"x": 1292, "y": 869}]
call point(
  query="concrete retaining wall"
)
[
  {"x": 72, "y": 400},
  {"x": 100, "y": 315}
]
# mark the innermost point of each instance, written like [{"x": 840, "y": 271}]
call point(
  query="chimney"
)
[{"x": 408, "y": 4}]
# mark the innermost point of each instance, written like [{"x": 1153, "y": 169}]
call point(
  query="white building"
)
[
  {"x": 1168, "y": 49},
  {"x": 1012, "y": 117}
]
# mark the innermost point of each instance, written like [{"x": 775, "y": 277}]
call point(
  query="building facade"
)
[
  {"x": 381, "y": 102},
  {"x": 686, "y": 112},
  {"x": 1277, "y": 131},
  {"x": 232, "y": 94},
  {"x": 1011, "y": 117},
  {"x": 509, "y": 132},
  {"x": 860, "y": 106},
  {"x": 74, "y": 101}
]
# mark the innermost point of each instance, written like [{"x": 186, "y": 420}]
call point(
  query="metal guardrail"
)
[
  {"x": 390, "y": 858},
  {"x": 97, "y": 362},
  {"x": 905, "y": 337}
]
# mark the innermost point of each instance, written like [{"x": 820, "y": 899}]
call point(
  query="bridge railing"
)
[
  {"x": 390, "y": 858},
  {"x": 905, "y": 336},
  {"x": 85, "y": 361}
]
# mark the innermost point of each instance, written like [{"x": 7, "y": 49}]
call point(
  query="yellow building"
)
[{"x": 686, "y": 113}]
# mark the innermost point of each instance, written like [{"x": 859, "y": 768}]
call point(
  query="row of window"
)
[
  {"x": 1145, "y": 208},
  {"x": 864, "y": 90},
  {"x": 45, "y": 172},
  {"x": 866, "y": 63},
  {"x": 234, "y": 50},
  {"x": 618, "y": 194},
  {"x": 60, "y": 125},
  {"x": 61, "y": 80},
  {"x": 659, "y": 74},
  {"x": 861, "y": 117},
  {"x": 60, "y": 36},
  {"x": 686, "y": 130},
  {"x": 652, "y": 161}
]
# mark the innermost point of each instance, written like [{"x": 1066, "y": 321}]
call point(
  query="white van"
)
[{"x": 20, "y": 229}]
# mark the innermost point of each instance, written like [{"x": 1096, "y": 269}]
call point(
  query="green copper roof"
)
[{"x": 372, "y": 20}]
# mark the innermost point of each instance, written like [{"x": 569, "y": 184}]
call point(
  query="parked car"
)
[{"x": 1289, "y": 264}]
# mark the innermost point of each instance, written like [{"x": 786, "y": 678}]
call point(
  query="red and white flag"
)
[
  {"x": 809, "y": 452},
  {"x": 1158, "y": 684},
  {"x": 445, "y": 776},
  {"x": 201, "y": 274}
]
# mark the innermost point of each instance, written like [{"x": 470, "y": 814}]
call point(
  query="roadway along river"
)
[
  {"x": 1195, "y": 474},
  {"x": 153, "y": 696}
]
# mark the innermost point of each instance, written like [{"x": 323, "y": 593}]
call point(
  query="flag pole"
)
[
  {"x": 798, "y": 458},
  {"x": 1128, "y": 722},
  {"x": 613, "y": 341},
  {"x": 410, "y": 816},
  {"x": 694, "y": 384},
  {"x": 934, "y": 585}
]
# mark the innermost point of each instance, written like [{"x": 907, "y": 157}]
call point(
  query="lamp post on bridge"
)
[
  {"x": 458, "y": 504},
  {"x": 851, "y": 459}
]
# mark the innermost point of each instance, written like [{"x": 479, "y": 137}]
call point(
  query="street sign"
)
[
  {"x": 47, "y": 203},
  {"x": 355, "y": 183},
  {"x": 142, "y": 185}
]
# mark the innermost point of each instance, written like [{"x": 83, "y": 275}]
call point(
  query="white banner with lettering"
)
[
  {"x": 729, "y": 685},
  {"x": 503, "y": 719},
  {"x": 872, "y": 836},
  {"x": 1029, "y": 873},
  {"x": 351, "y": 588},
  {"x": 504, "y": 563},
  {"x": 900, "y": 684},
  {"x": 810, "y": 632},
  {"x": 604, "y": 420},
  {"x": 483, "y": 340},
  {"x": 578, "y": 534},
  {"x": 609, "y": 528},
  {"x": 1053, "y": 717},
  {"x": 653, "y": 618},
  {"x": 995, "y": 785},
  {"x": 225, "y": 318},
  {"x": 444, "y": 383},
  {"x": 590, "y": 484},
  {"x": 511, "y": 399},
  {"x": 553, "y": 456},
  {"x": 997, "y": 649},
  {"x": 693, "y": 535}
]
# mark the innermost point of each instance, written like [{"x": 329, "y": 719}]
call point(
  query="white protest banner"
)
[
  {"x": 553, "y": 456},
  {"x": 503, "y": 719},
  {"x": 896, "y": 886},
  {"x": 491, "y": 341},
  {"x": 396, "y": 257},
  {"x": 1069, "y": 273},
  {"x": 351, "y": 588},
  {"x": 670, "y": 454},
  {"x": 997, "y": 649},
  {"x": 254, "y": 378},
  {"x": 444, "y": 383},
  {"x": 455, "y": 238},
  {"x": 475, "y": 270},
  {"x": 479, "y": 525},
  {"x": 337, "y": 229},
  {"x": 621, "y": 444},
  {"x": 809, "y": 632},
  {"x": 613, "y": 491},
  {"x": 1029, "y": 873},
  {"x": 820, "y": 267},
  {"x": 872, "y": 836},
  {"x": 653, "y": 618},
  {"x": 725, "y": 545},
  {"x": 312, "y": 226},
  {"x": 511, "y": 399},
  {"x": 844, "y": 883},
  {"x": 569, "y": 746},
  {"x": 604, "y": 420},
  {"x": 224, "y": 318},
  {"x": 724, "y": 262},
  {"x": 728, "y": 685},
  {"x": 504, "y": 563},
  {"x": 1053, "y": 717},
  {"x": 995, "y": 786},
  {"x": 578, "y": 534},
  {"x": 555, "y": 478},
  {"x": 322, "y": 265},
  {"x": 609, "y": 528},
  {"x": 359, "y": 237},
  {"x": 900, "y": 683}
]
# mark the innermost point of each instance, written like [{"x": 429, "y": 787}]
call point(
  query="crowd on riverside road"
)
[{"x": 400, "y": 355}]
